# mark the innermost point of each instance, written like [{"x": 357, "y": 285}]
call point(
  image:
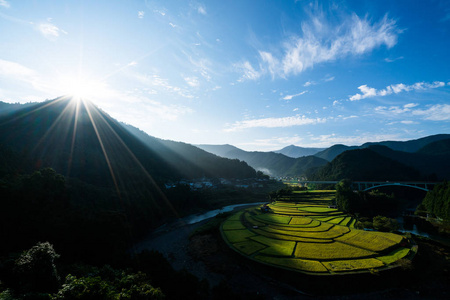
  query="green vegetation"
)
[
  {"x": 323, "y": 241},
  {"x": 437, "y": 201}
]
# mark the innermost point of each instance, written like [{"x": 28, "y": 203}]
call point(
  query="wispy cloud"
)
[
  {"x": 289, "y": 97},
  {"x": 395, "y": 110},
  {"x": 368, "y": 92},
  {"x": 274, "y": 122},
  {"x": 50, "y": 31},
  {"x": 201, "y": 9},
  {"x": 141, "y": 14},
  {"x": 323, "y": 41},
  {"x": 248, "y": 71},
  {"x": 437, "y": 112},
  {"x": 9, "y": 68},
  {"x": 5, "y": 3},
  {"x": 192, "y": 81},
  {"x": 389, "y": 60}
]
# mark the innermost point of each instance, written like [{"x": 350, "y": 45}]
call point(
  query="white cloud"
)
[
  {"x": 50, "y": 31},
  {"x": 5, "y": 3},
  {"x": 192, "y": 81},
  {"x": 368, "y": 92},
  {"x": 289, "y": 97},
  {"x": 9, "y": 68},
  {"x": 162, "y": 13},
  {"x": 308, "y": 83},
  {"x": 323, "y": 41},
  {"x": 201, "y": 10},
  {"x": 395, "y": 110},
  {"x": 437, "y": 112},
  {"x": 408, "y": 122},
  {"x": 248, "y": 71},
  {"x": 275, "y": 122},
  {"x": 141, "y": 14},
  {"x": 389, "y": 60}
]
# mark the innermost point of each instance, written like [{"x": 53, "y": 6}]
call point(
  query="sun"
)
[{"x": 79, "y": 87}]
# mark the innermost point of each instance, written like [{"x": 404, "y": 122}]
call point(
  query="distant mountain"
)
[
  {"x": 330, "y": 153},
  {"x": 410, "y": 146},
  {"x": 191, "y": 161},
  {"x": 365, "y": 164},
  {"x": 296, "y": 151},
  {"x": 441, "y": 147},
  {"x": 407, "y": 146},
  {"x": 273, "y": 164},
  {"x": 221, "y": 150}
]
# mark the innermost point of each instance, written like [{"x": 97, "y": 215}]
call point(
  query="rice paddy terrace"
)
[{"x": 302, "y": 233}]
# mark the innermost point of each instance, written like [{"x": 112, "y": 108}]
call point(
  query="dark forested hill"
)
[
  {"x": 193, "y": 162},
  {"x": 274, "y": 164},
  {"x": 365, "y": 164},
  {"x": 410, "y": 146},
  {"x": 296, "y": 151},
  {"x": 431, "y": 166},
  {"x": 79, "y": 140},
  {"x": 405, "y": 146},
  {"x": 441, "y": 147},
  {"x": 330, "y": 153}
]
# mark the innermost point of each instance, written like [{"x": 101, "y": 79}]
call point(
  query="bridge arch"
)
[{"x": 396, "y": 184}]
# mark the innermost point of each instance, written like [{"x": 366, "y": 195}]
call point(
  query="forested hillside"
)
[
  {"x": 191, "y": 161},
  {"x": 271, "y": 163},
  {"x": 365, "y": 164}
]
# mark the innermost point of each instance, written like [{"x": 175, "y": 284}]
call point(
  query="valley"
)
[{"x": 103, "y": 195}]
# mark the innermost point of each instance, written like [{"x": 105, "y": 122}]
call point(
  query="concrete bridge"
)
[{"x": 368, "y": 185}]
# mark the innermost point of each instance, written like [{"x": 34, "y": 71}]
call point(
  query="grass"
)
[
  {"x": 275, "y": 247},
  {"x": 230, "y": 225},
  {"x": 273, "y": 218},
  {"x": 394, "y": 256},
  {"x": 248, "y": 247},
  {"x": 301, "y": 233},
  {"x": 374, "y": 241},
  {"x": 353, "y": 265},
  {"x": 294, "y": 263},
  {"x": 330, "y": 251},
  {"x": 235, "y": 236}
]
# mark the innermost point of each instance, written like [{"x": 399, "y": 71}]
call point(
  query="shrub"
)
[
  {"x": 385, "y": 224},
  {"x": 36, "y": 269}
]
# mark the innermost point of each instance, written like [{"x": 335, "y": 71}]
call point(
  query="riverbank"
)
[{"x": 207, "y": 257}]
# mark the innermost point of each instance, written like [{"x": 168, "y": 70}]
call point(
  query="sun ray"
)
[
  {"x": 103, "y": 148},
  {"x": 136, "y": 160}
]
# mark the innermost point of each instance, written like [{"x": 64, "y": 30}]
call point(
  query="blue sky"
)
[{"x": 259, "y": 75}]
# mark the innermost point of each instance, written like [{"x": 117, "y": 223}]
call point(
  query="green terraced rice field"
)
[{"x": 302, "y": 233}]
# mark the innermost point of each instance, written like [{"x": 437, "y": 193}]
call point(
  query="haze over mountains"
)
[
  {"x": 424, "y": 158},
  {"x": 79, "y": 140}
]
